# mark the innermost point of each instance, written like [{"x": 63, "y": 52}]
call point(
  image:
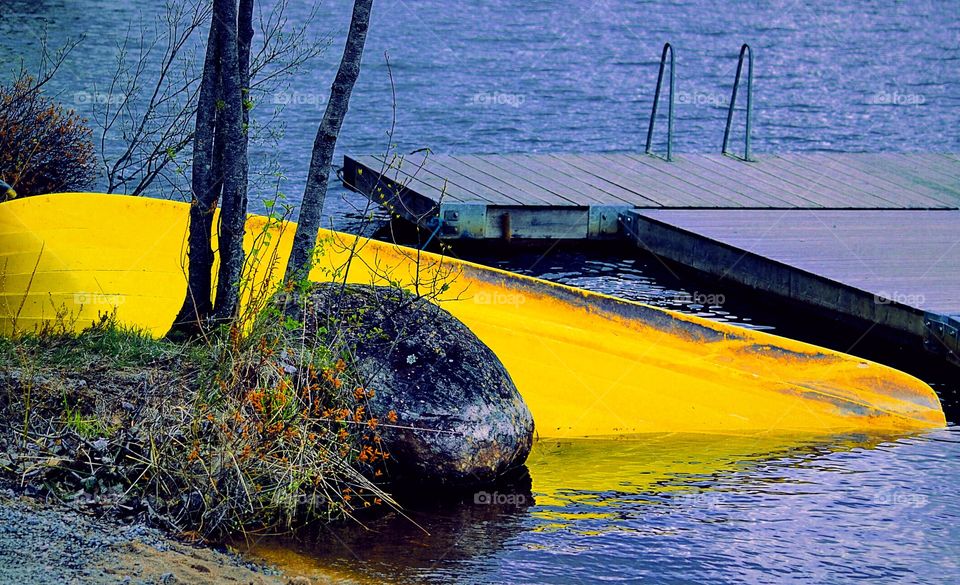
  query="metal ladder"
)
[
  {"x": 745, "y": 50},
  {"x": 667, "y": 48}
]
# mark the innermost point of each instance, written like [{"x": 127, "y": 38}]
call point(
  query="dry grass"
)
[{"x": 236, "y": 433}]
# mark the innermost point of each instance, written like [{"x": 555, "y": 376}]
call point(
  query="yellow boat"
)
[{"x": 587, "y": 364}]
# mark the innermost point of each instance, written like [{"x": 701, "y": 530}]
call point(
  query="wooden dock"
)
[
  {"x": 579, "y": 196},
  {"x": 872, "y": 236},
  {"x": 898, "y": 269}
]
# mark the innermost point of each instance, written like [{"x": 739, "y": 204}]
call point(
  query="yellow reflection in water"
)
[
  {"x": 576, "y": 480},
  {"x": 582, "y": 486}
]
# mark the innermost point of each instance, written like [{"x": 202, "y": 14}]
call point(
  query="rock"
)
[{"x": 460, "y": 419}]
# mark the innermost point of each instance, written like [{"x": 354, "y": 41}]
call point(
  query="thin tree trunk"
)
[
  {"x": 233, "y": 206},
  {"x": 305, "y": 239},
  {"x": 244, "y": 42},
  {"x": 205, "y": 186}
]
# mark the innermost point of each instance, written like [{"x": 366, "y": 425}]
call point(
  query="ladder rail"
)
[
  {"x": 667, "y": 48},
  {"x": 745, "y": 51}
]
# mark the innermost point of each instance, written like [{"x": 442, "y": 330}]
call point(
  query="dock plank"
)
[
  {"x": 663, "y": 171},
  {"x": 667, "y": 193},
  {"x": 419, "y": 183},
  {"x": 583, "y": 192},
  {"x": 860, "y": 182},
  {"x": 818, "y": 197},
  {"x": 918, "y": 166},
  {"x": 635, "y": 188},
  {"x": 914, "y": 168},
  {"x": 822, "y": 182},
  {"x": 630, "y": 197},
  {"x": 882, "y": 176},
  {"x": 753, "y": 175},
  {"x": 564, "y": 195},
  {"x": 718, "y": 180},
  {"x": 934, "y": 161},
  {"x": 510, "y": 189},
  {"x": 403, "y": 167}
]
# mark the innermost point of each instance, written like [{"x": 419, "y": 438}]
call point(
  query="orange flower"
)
[{"x": 392, "y": 416}]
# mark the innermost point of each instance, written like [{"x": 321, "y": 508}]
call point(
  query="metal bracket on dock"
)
[
  {"x": 627, "y": 224},
  {"x": 941, "y": 335},
  {"x": 463, "y": 220},
  {"x": 604, "y": 220}
]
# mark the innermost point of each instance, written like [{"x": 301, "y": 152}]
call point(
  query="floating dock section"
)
[{"x": 872, "y": 236}]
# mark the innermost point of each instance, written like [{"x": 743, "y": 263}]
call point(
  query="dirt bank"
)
[{"x": 53, "y": 544}]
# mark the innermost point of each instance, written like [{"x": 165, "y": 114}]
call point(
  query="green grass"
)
[
  {"x": 87, "y": 427},
  {"x": 105, "y": 343}
]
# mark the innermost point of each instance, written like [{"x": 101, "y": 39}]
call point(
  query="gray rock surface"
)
[{"x": 460, "y": 419}]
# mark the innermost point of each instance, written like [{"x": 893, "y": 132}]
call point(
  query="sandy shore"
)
[{"x": 54, "y": 544}]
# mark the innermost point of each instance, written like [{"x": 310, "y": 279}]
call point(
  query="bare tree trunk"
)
[
  {"x": 304, "y": 241},
  {"x": 233, "y": 202},
  {"x": 204, "y": 183}
]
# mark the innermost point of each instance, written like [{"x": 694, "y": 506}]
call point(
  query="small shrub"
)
[
  {"x": 260, "y": 432},
  {"x": 280, "y": 433},
  {"x": 44, "y": 148}
]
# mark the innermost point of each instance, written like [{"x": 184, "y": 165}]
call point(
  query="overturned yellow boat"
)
[{"x": 587, "y": 364}]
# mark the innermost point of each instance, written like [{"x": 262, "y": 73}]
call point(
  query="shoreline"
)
[{"x": 56, "y": 544}]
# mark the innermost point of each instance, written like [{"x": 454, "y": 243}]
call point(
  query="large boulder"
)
[{"x": 460, "y": 421}]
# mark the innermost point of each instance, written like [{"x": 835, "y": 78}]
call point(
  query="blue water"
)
[
  {"x": 675, "y": 509},
  {"x": 560, "y": 76},
  {"x": 569, "y": 76}
]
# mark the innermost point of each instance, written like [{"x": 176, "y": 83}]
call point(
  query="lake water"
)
[
  {"x": 570, "y": 76},
  {"x": 676, "y": 509}
]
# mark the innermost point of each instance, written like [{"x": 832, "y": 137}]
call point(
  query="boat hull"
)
[{"x": 587, "y": 364}]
